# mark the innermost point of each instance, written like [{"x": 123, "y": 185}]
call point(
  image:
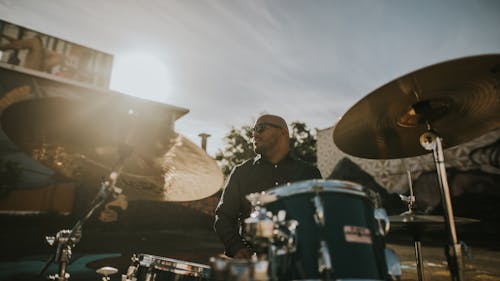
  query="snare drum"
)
[
  {"x": 154, "y": 268},
  {"x": 336, "y": 226}
]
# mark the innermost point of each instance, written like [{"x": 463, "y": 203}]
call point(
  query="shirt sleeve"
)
[
  {"x": 315, "y": 174},
  {"x": 227, "y": 214}
]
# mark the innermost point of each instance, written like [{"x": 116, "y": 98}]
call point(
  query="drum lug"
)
[
  {"x": 319, "y": 215},
  {"x": 325, "y": 260},
  {"x": 393, "y": 264},
  {"x": 260, "y": 229},
  {"x": 384, "y": 225},
  {"x": 131, "y": 272},
  {"x": 285, "y": 237}
]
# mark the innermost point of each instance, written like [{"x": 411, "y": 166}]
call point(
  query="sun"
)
[{"x": 141, "y": 75}]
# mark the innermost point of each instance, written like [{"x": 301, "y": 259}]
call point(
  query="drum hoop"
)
[
  {"x": 342, "y": 279},
  {"x": 310, "y": 186},
  {"x": 350, "y": 279},
  {"x": 176, "y": 266}
]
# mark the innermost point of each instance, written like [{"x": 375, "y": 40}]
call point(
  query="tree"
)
[
  {"x": 239, "y": 146},
  {"x": 303, "y": 143}
]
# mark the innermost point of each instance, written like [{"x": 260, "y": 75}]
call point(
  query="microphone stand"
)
[{"x": 67, "y": 239}]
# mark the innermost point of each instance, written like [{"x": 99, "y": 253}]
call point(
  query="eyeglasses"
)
[{"x": 259, "y": 128}]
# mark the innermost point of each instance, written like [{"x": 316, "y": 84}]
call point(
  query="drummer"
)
[{"x": 272, "y": 166}]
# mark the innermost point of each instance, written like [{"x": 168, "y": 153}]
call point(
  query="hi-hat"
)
[
  {"x": 85, "y": 139},
  {"x": 418, "y": 224},
  {"x": 459, "y": 99},
  {"x": 408, "y": 218}
]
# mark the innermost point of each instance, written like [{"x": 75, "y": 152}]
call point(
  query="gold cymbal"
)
[
  {"x": 459, "y": 99},
  {"x": 188, "y": 173},
  {"x": 84, "y": 141}
]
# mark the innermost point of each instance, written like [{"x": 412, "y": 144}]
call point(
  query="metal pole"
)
[
  {"x": 431, "y": 141},
  {"x": 420, "y": 260}
]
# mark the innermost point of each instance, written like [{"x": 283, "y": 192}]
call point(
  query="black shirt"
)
[{"x": 254, "y": 175}]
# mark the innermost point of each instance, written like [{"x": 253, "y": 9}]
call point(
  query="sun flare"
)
[{"x": 141, "y": 75}]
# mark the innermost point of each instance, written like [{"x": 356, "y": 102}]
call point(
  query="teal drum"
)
[{"x": 335, "y": 237}]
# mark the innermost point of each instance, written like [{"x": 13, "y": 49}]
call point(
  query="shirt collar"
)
[{"x": 258, "y": 159}]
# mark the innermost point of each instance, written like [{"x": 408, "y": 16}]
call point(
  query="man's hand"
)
[{"x": 243, "y": 253}]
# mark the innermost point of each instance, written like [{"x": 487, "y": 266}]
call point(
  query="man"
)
[{"x": 272, "y": 166}]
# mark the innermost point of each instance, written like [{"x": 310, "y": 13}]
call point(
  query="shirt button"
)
[{"x": 275, "y": 166}]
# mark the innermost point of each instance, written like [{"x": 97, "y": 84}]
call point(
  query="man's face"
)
[{"x": 266, "y": 135}]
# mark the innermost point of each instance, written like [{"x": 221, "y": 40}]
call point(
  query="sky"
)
[{"x": 229, "y": 61}]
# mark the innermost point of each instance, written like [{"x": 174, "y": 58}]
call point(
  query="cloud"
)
[{"x": 309, "y": 61}]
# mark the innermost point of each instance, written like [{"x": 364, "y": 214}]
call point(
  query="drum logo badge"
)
[{"x": 357, "y": 234}]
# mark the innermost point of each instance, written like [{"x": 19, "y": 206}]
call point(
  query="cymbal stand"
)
[
  {"x": 67, "y": 239},
  {"x": 410, "y": 200},
  {"x": 430, "y": 140}
]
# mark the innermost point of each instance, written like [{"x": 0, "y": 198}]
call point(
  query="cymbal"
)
[
  {"x": 459, "y": 99},
  {"x": 84, "y": 140},
  {"x": 413, "y": 219},
  {"x": 419, "y": 224}
]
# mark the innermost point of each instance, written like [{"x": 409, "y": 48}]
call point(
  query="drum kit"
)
[
  {"x": 330, "y": 229},
  {"x": 433, "y": 108}
]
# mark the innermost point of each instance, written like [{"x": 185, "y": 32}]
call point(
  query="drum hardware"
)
[
  {"x": 260, "y": 229},
  {"x": 248, "y": 270},
  {"x": 318, "y": 248},
  {"x": 254, "y": 269},
  {"x": 271, "y": 236},
  {"x": 430, "y": 140},
  {"x": 106, "y": 271},
  {"x": 380, "y": 214},
  {"x": 261, "y": 270},
  {"x": 284, "y": 237},
  {"x": 324, "y": 259},
  {"x": 393, "y": 264},
  {"x": 67, "y": 239},
  {"x": 131, "y": 270},
  {"x": 284, "y": 242},
  {"x": 319, "y": 214},
  {"x": 413, "y": 114},
  {"x": 384, "y": 224},
  {"x": 410, "y": 200},
  {"x": 239, "y": 270},
  {"x": 418, "y": 224},
  {"x": 64, "y": 240},
  {"x": 219, "y": 267},
  {"x": 421, "y": 222},
  {"x": 154, "y": 268}
]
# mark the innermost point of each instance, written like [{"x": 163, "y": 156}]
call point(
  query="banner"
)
[{"x": 37, "y": 51}]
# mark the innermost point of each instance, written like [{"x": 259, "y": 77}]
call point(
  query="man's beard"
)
[
  {"x": 257, "y": 150},
  {"x": 265, "y": 147}
]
